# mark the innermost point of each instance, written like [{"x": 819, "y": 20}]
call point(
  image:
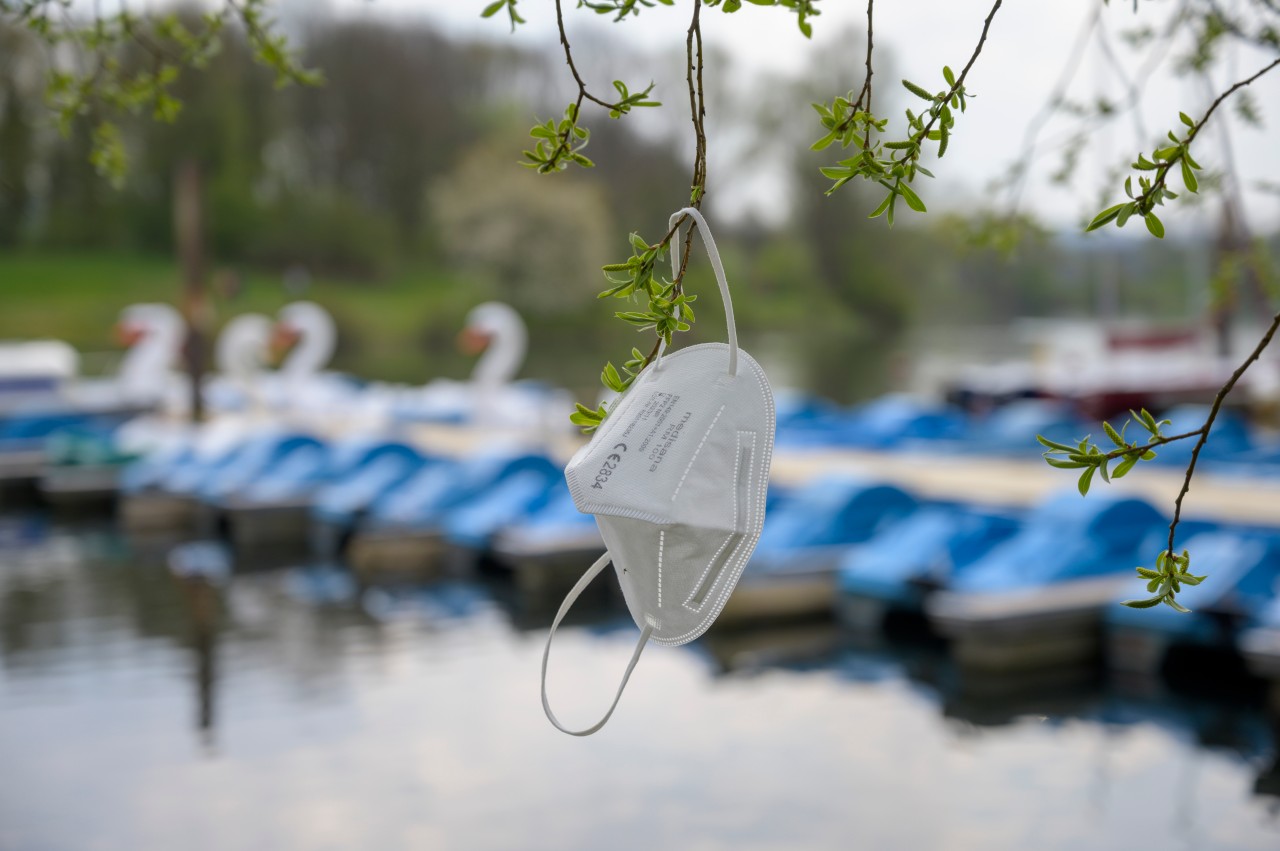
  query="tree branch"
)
[
  {"x": 697, "y": 115},
  {"x": 583, "y": 94},
  {"x": 1218, "y": 400},
  {"x": 866, "y": 85},
  {"x": 1162, "y": 170},
  {"x": 959, "y": 84}
]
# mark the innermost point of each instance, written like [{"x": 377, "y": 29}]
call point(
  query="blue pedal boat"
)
[
  {"x": 187, "y": 487},
  {"x": 792, "y": 573},
  {"x": 1036, "y": 600},
  {"x": 276, "y": 508},
  {"x": 1242, "y": 569},
  {"x": 548, "y": 550},
  {"x": 23, "y": 442},
  {"x": 83, "y": 464},
  {"x": 450, "y": 505},
  {"x": 339, "y": 506},
  {"x": 1011, "y": 429},
  {"x": 909, "y": 560},
  {"x": 890, "y": 422}
]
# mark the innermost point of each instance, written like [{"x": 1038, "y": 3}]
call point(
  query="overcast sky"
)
[{"x": 1028, "y": 48}]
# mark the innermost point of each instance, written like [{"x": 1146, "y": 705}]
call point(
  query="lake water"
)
[{"x": 288, "y": 724}]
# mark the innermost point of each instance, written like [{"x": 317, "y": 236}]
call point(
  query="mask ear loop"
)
[
  {"x": 569, "y": 600},
  {"x": 710, "y": 244}
]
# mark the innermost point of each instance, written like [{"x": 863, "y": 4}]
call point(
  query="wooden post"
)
[{"x": 188, "y": 221}]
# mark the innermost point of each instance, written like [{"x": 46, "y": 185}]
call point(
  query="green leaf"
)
[
  {"x": 610, "y": 378},
  {"x": 1063, "y": 465},
  {"x": 1189, "y": 177},
  {"x": 1085, "y": 478},
  {"x": 1143, "y": 604},
  {"x": 1044, "y": 441},
  {"x": 1186, "y": 119},
  {"x": 912, "y": 199},
  {"x": 493, "y": 8},
  {"x": 1104, "y": 217},
  {"x": 1124, "y": 467},
  {"x": 948, "y": 75},
  {"x": 1175, "y": 605},
  {"x": 884, "y": 205},
  {"x": 825, "y": 141},
  {"x": 1154, "y": 225}
]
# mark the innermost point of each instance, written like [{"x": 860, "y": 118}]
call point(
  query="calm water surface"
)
[{"x": 295, "y": 725}]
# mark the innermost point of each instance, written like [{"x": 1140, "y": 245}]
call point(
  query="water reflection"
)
[{"x": 410, "y": 719}]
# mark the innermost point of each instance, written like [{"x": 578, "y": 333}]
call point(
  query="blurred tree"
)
[
  {"x": 18, "y": 75},
  {"x": 538, "y": 243},
  {"x": 399, "y": 106}
]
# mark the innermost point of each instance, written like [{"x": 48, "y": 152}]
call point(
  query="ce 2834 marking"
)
[{"x": 610, "y": 464}]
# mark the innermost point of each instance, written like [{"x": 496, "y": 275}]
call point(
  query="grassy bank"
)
[
  {"x": 403, "y": 327},
  {"x": 387, "y": 328}
]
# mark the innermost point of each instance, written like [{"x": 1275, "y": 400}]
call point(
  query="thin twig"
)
[
  {"x": 1162, "y": 170},
  {"x": 573, "y": 69},
  {"x": 865, "y": 92},
  {"x": 566, "y": 139},
  {"x": 697, "y": 115},
  {"x": 1213, "y": 411},
  {"x": 1141, "y": 448},
  {"x": 866, "y": 85},
  {"x": 959, "y": 84}
]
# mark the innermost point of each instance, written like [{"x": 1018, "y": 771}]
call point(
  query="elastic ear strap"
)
[
  {"x": 710, "y": 244},
  {"x": 569, "y": 600}
]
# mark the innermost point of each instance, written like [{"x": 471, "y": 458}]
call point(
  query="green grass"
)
[{"x": 399, "y": 329}]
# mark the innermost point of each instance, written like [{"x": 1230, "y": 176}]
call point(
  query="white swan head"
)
[
  {"x": 498, "y": 331},
  {"x": 243, "y": 345},
  {"x": 308, "y": 331},
  {"x": 147, "y": 322},
  {"x": 153, "y": 334}
]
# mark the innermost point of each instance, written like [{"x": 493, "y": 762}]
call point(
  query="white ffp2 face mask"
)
[{"x": 676, "y": 478}]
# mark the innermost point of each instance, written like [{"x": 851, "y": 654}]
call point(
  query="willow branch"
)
[
  {"x": 863, "y": 102},
  {"x": 583, "y": 94},
  {"x": 1162, "y": 170},
  {"x": 697, "y": 115},
  {"x": 959, "y": 84},
  {"x": 1213, "y": 412}
]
